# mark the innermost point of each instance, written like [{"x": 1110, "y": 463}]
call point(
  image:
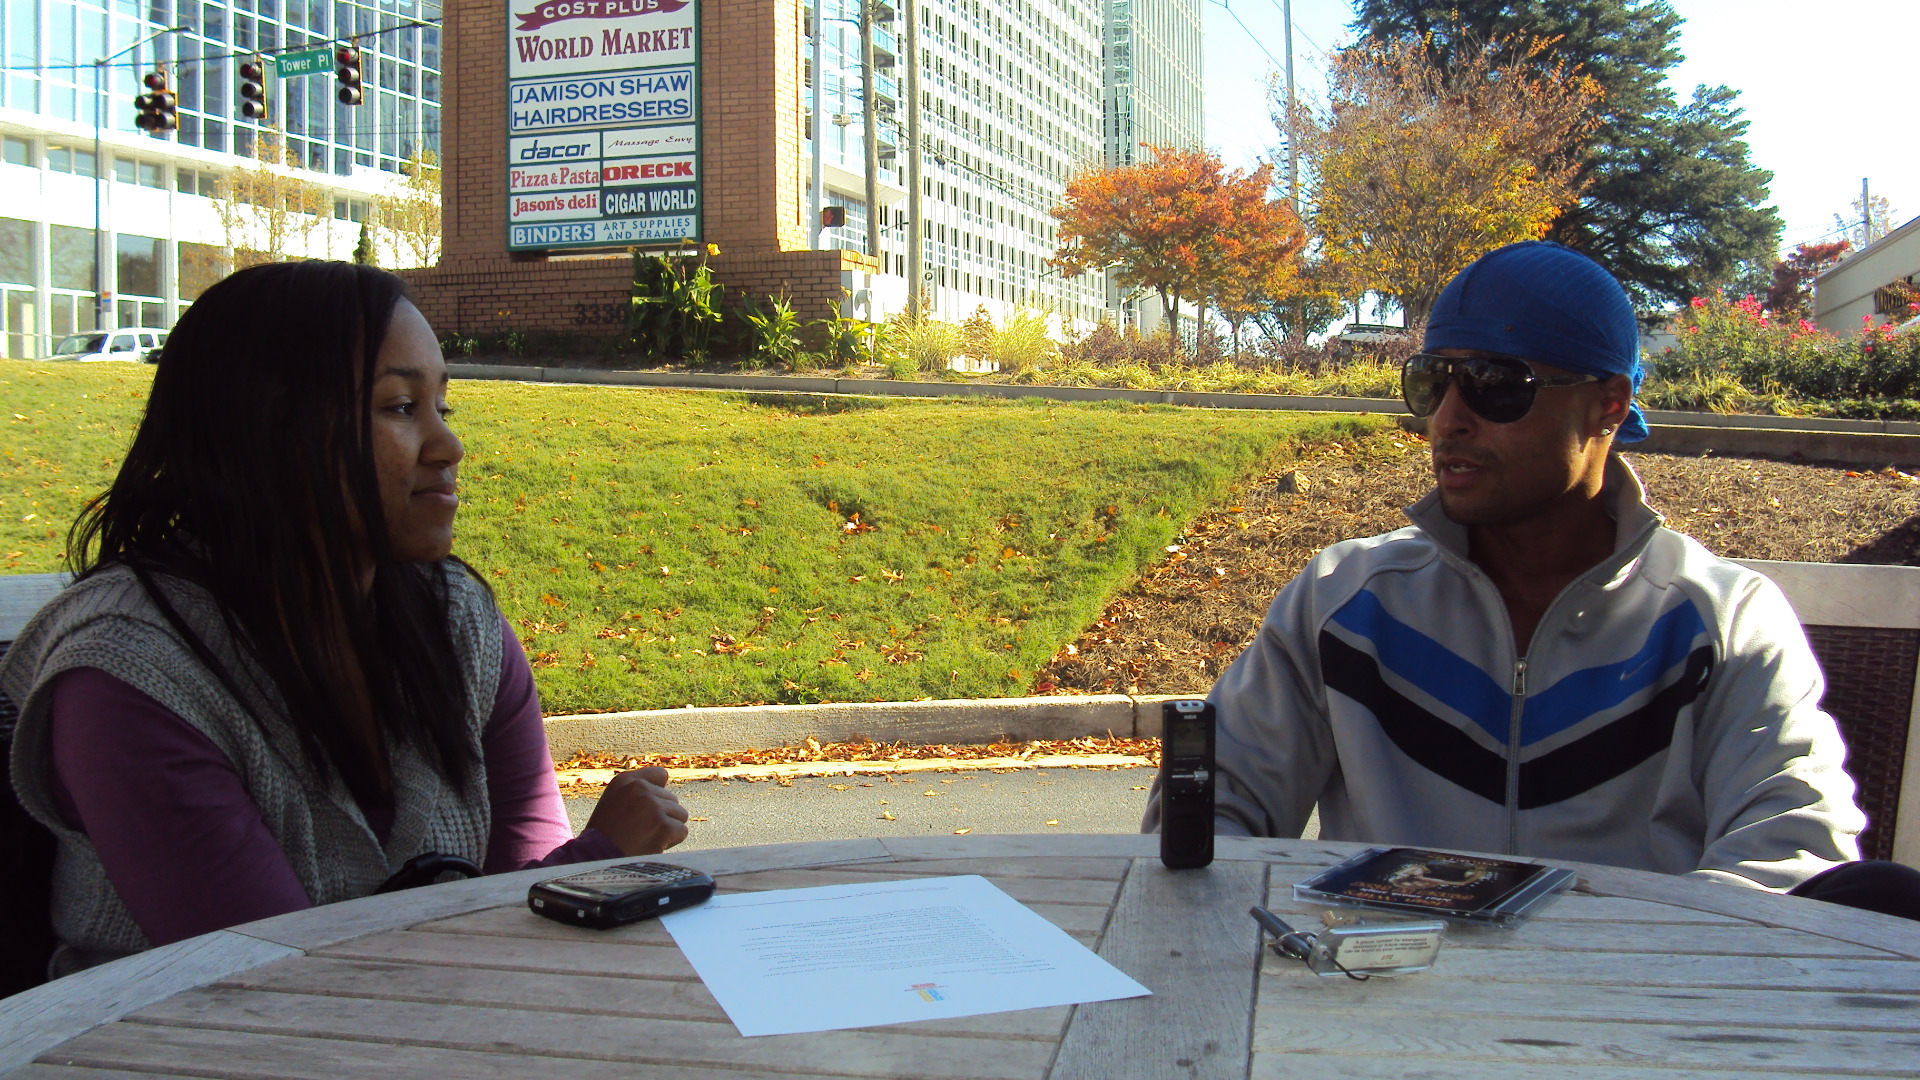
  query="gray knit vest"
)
[{"x": 108, "y": 622}]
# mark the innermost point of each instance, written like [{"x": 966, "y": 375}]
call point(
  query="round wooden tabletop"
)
[{"x": 1630, "y": 975}]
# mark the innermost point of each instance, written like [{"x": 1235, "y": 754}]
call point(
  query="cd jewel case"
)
[{"x": 1472, "y": 889}]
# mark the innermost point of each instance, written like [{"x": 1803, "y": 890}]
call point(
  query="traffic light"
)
[
  {"x": 253, "y": 89},
  {"x": 833, "y": 217},
  {"x": 157, "y": 108},
  {"x": 348, "y": 74}
]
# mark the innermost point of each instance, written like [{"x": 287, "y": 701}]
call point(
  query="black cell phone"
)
[
  {"x": 1186, "y": 784},
  {"x": 619, "y": 894}
]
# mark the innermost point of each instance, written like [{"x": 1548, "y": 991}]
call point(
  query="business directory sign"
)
[{"x": 603, "y": 123}]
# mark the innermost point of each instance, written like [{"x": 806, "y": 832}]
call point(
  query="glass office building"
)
[
  {"x": 131, "y": 235},
  {"x": 1152, "y": 77}
]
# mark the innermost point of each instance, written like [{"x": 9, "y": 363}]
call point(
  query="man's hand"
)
[{"x": 639, "y": 814}]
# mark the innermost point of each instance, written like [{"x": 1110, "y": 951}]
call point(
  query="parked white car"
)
[
  {"x": 132, "y": 344},
  {"x": 1356, "y": 338}
]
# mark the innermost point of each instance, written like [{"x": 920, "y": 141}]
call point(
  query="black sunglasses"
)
[{"x": 1498, "y": 388}]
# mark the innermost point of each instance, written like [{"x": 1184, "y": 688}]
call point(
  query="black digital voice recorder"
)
[{"x": 1186, "y": 784}]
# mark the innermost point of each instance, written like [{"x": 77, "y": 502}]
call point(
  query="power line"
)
[
  {"x": 1296, "y": 26},
  {"x": 1223, "y": 4}
]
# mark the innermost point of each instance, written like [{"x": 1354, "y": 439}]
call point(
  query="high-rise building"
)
[
  {"x": 1153, "y": 98},
  {"x": 1015, "y": 98},
  {"x": 1153, "y": 82},
  {"x": 129, "y": 234}
]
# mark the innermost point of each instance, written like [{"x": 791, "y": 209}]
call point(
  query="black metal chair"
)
[
  {"x": 1863, "y": 622},
  {"x": 26, "y": 847},
  {"x": 26, "y": 868}
]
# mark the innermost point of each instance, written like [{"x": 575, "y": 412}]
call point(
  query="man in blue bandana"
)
[{"x": 1536, "y": 666}]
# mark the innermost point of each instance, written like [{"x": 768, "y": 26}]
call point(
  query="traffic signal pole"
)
[
  {"x": 99, "y": 192},
  {"x": 814, "y": 230},
  {"x": 916, "y": 249},
  {"x": 870, "y": 134}
]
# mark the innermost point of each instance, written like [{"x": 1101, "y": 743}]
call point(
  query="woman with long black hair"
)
[{"x": 271, "y": 685}]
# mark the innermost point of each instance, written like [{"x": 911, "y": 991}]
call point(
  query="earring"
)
[{"x": 1606, "y": 431}]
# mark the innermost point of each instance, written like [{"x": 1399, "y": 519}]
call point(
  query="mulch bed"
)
[{"x": 1188, "y": 616}]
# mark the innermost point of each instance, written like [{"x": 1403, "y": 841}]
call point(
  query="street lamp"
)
[{"x": 99, "y": 120}]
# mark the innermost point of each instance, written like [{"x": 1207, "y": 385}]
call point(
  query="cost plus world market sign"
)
[{"x": 603, "y": 123}]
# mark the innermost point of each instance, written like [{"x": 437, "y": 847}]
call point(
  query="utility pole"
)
[
  {"x": 916, "y": 242},
  {"x": 1293, "y": 139},
  {"x": 814, "y": 228},
  {"x": 1866, "y": 215},
  {"x": 870, "y": 126}
]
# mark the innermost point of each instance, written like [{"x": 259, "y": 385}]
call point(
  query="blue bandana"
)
[{"x": 1547, "y": 303}]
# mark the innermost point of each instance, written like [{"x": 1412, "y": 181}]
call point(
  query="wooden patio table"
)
[{"x": 1631, "y": 975}]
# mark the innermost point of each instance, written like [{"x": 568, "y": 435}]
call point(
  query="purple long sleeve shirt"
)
[{"x": 187, "y": 849}]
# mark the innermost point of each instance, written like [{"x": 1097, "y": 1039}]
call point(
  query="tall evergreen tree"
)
[
  {"x": 363, "y": 252},
  {"x": 1671, "y": 203}
]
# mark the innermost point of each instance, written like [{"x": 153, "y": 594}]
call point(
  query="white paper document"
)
[{"x": 846, "y": 956}]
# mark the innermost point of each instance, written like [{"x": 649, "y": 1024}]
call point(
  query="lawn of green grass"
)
[{"x": 665, "y": 548}]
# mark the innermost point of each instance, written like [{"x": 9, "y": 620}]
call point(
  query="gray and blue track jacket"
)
[{"x": 1666, "y": 715}]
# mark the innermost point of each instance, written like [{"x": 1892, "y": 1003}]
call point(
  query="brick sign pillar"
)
[{"x": 753, "y": 185}]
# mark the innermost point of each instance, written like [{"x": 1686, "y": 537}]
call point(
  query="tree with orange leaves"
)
[
  {"x": 1179, "y": 224},
  {"x": 1259, "y": 242}
]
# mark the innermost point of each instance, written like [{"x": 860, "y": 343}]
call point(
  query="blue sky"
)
[{"x": 1823, "y": 85}]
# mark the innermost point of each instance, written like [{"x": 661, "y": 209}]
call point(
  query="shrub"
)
[
  {"x": 1108, "y": 345},
  {"x": 845, "y": 339},
  {"x": 773, "y": 331},
  {"x": 976, "y": 334},
  {"x": 676, "y": 304},
  {"x": 1733, "y": 356}
]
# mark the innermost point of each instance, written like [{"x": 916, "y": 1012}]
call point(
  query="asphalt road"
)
[{"x": 740, "y": 813}]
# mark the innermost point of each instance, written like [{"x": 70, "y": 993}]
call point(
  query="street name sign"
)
[{"x": 305, "y": 62}]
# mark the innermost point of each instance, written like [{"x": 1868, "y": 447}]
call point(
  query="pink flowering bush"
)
[{"x": 1733, "y": 355}]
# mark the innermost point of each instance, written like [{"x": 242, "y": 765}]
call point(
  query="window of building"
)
[
  {"x": 72, "y": 257},
  {"x": 350, "y": 209},
  {"x": 19, "y": 151},
  {"x": 69, "y": 159},
  {"x": 19, "y": 338},
  {"x": 17, "y": 251},
  {"x": 135, "y": 171},
  {"x": 137, "y": 263}
]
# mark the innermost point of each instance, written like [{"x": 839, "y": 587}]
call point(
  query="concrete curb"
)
[
  {"x": 802, "y": 384},
  {"x": 922, "y": 723},
  {"x": 1870, "y": 443},
  {"x": 1847, "y": 447},
  {"x": 1870, "y": 450}
]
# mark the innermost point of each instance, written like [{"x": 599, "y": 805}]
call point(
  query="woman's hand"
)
[{"x": 639, "y": 814}]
